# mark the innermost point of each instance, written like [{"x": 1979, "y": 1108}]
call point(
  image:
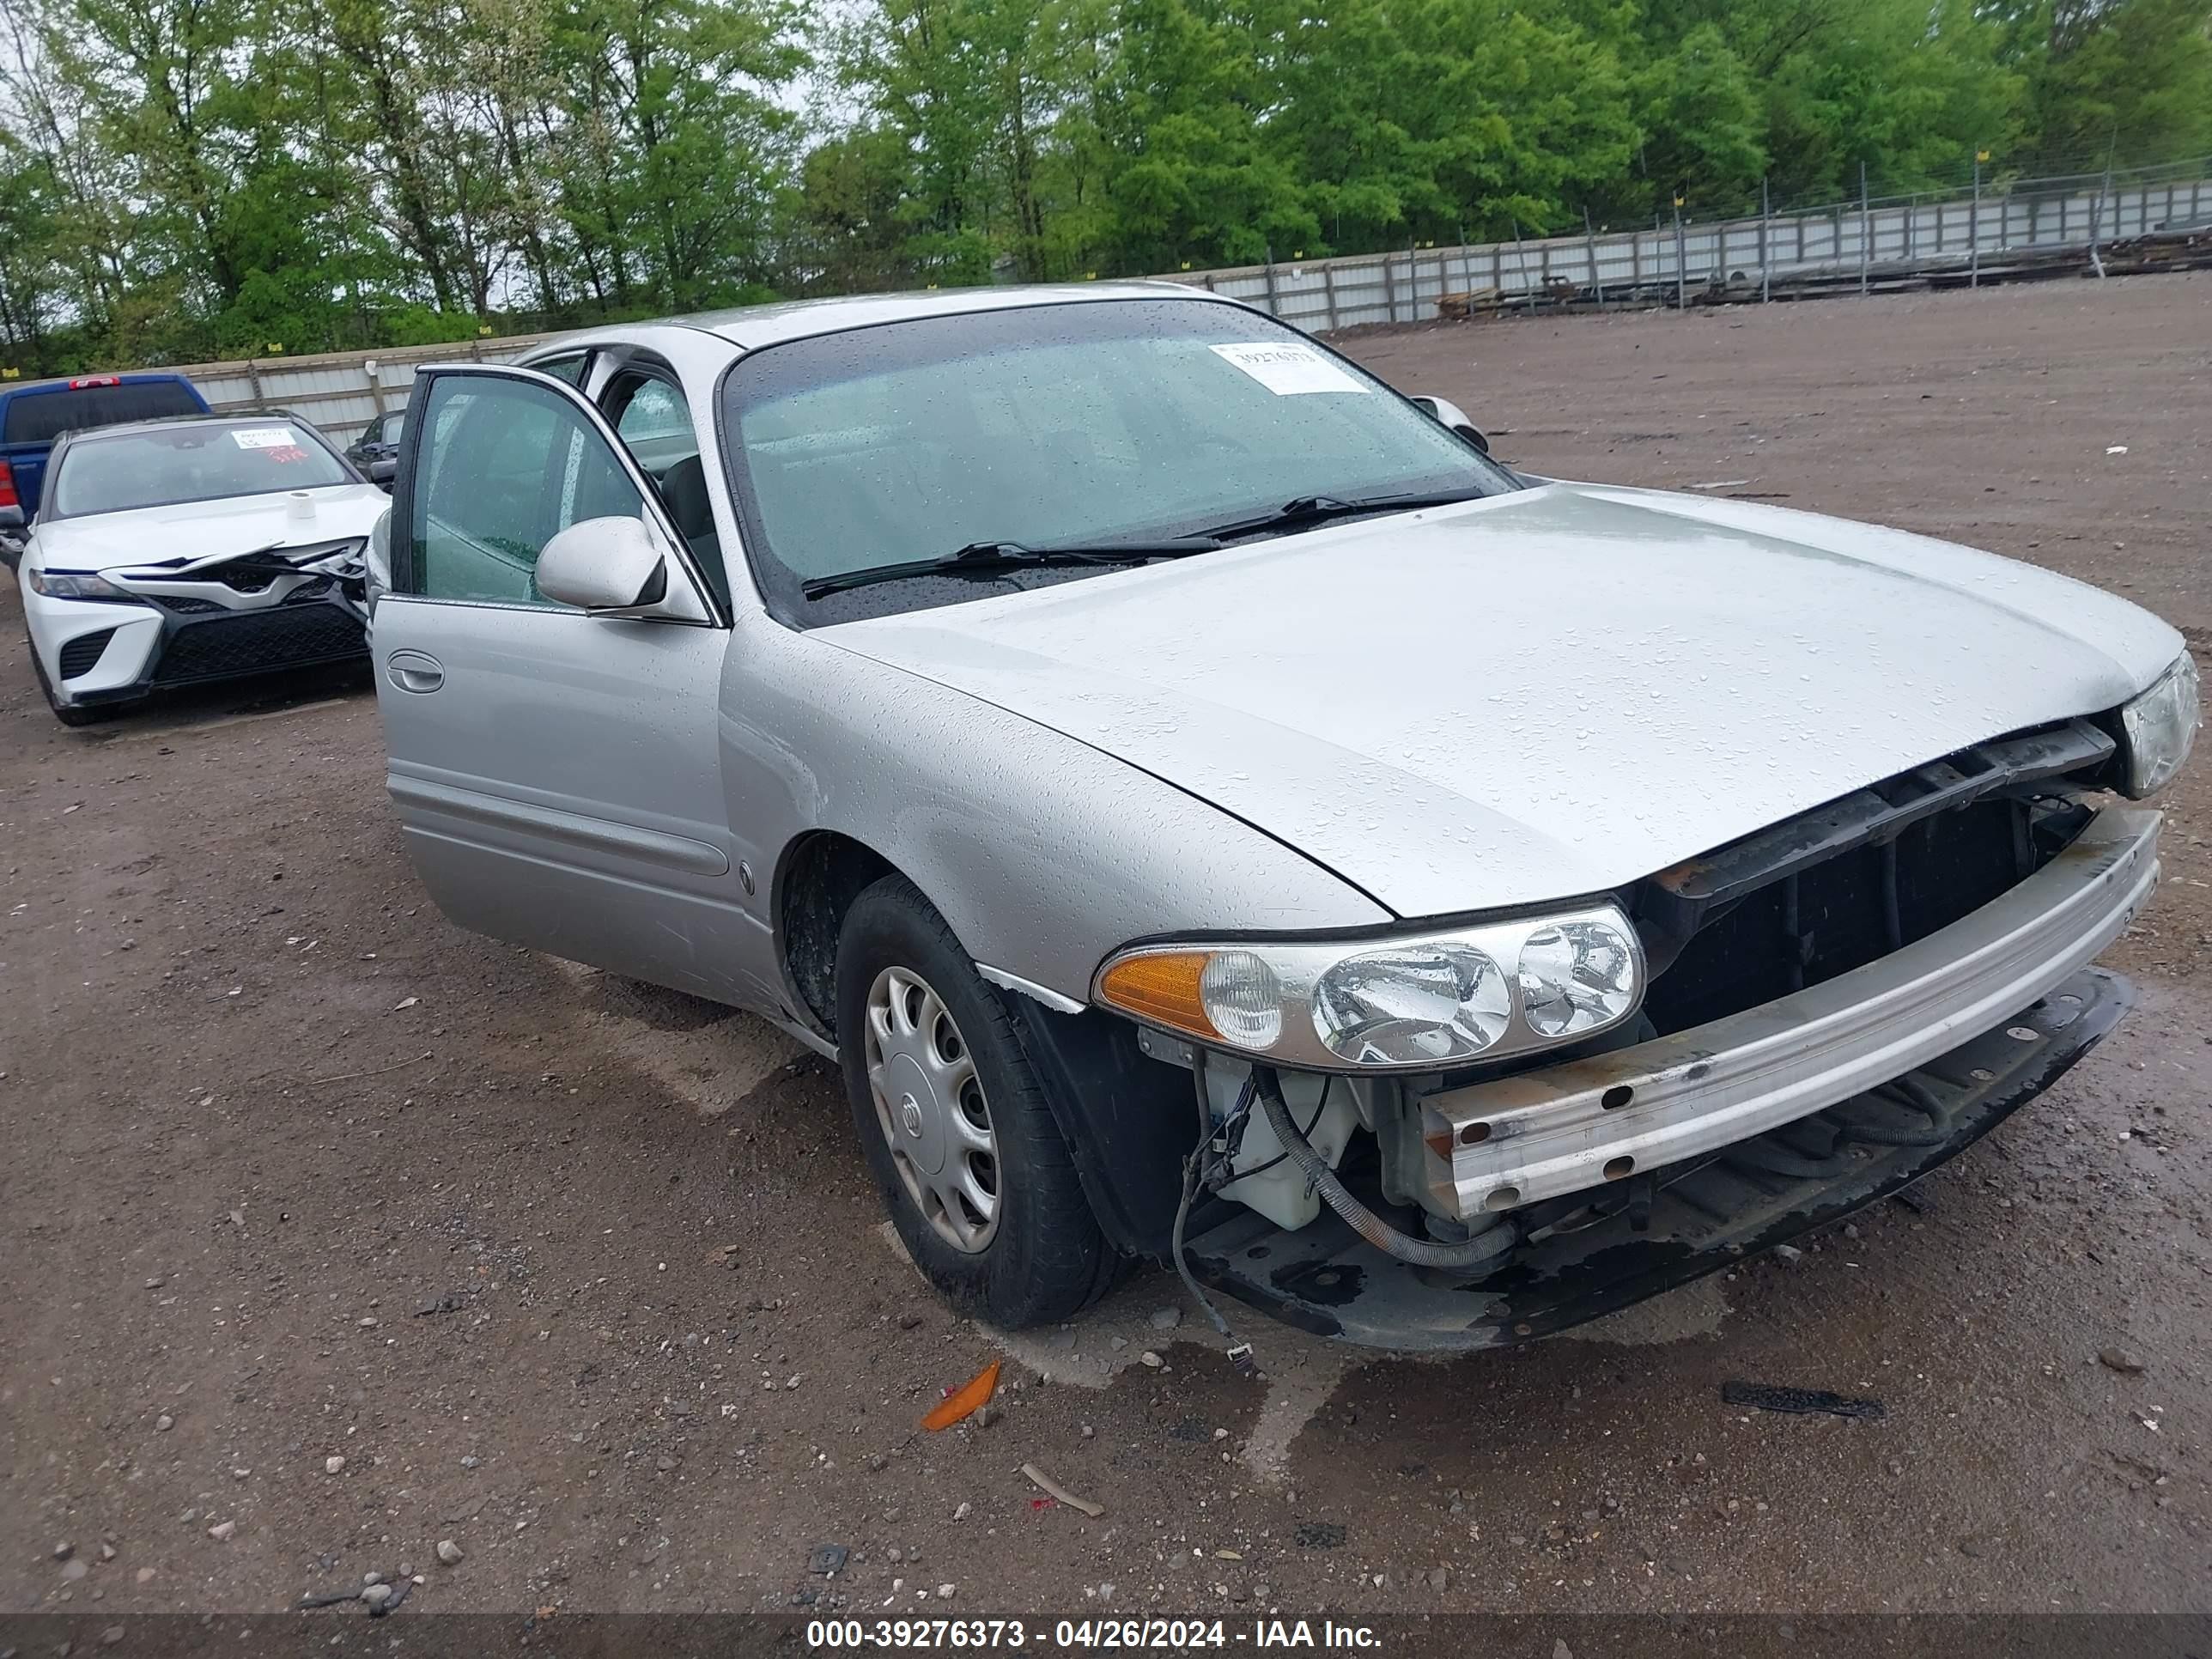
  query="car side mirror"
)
[
  {"x": 1444, "y": 413},
  {"x": 11, "y": 517},
  {"x": 609, "y": 566}
]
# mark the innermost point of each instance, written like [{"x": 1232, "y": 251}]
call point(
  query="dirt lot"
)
[{"x": 297, "y": 1173}]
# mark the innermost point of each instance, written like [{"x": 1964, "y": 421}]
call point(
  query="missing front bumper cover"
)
[
  {"x": 1703, "y": 1216},
  {"x": 1565, "y": 1128}
]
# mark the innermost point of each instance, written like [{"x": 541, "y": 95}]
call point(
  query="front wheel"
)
[{"x": 964, "y": 1149}]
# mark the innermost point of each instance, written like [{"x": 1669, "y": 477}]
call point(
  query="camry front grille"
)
[{"x": 250, "y": 641}]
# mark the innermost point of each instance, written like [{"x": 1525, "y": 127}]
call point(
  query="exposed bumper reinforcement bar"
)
[
  {"x": 1583, "y": 1260},
  {"x": 1539, "y": 1134}
]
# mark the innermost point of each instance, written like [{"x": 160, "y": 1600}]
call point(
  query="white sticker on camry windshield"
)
[
  {"x": 1287, "y": 368},
  {"x": 264, "y": 437}
]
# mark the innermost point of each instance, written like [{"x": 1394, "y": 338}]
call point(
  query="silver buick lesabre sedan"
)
[{"x": 1214, "y": 812}]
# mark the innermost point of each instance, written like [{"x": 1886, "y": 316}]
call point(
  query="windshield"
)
[
  {"x": 1051, "y": 426},
  {"x": 168, "y": 465}
]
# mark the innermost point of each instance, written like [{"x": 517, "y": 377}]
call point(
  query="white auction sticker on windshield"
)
[
  {"x": 1287, "y": 368},
  {"x": 264, "y": 437}
]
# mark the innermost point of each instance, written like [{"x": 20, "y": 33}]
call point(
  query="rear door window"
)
[{"x": 40, "y": 417}]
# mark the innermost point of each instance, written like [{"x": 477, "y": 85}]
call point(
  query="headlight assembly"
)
[
  {"x": 1421, "y": 1002},
  {"x": 73, "y": 584},
  {"x": 2159, "y": 725}
]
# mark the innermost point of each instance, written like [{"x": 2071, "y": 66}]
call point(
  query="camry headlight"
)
[
  {"x": 2159, "y": 725},
  {"x": 1420, "y": 1002},
  {"x": 73, "y": 584}
]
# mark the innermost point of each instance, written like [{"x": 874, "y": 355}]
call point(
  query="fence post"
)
[
  {"x": 1866, "y": 233},
  {"x": 1274, "y": 310},
  {"x": 1974, "y": 225},
  {"x": 1328, "y": 291},
  {"x": 2097, "y": 222},
  {"x": 253, "y": 380},
  {"x": 1389, "y": 289},
  {"x": 1681, "y": 271},
  {"x": 1589, "y": 241},
  {"x": 1765, "y": 246}
]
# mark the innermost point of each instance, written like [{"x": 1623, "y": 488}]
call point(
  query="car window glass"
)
[
  {"x": 655, "y": 424},
  {"x": 1062, "y": 425},
  {"x": 506, "y": 466},
  {"x": 39, "y": 417},
  {"x": 570, "y": 369},
  {"x": 194, "y": 461}
]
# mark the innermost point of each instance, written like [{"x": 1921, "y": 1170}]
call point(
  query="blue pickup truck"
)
[{"x": 32, "y": 417}]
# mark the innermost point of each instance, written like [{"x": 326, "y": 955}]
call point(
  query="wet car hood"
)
[
  {"x": 197, "y": 530},
  {"x": 1548, "y": 693}
]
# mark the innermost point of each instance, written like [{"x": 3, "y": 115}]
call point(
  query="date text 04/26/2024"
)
[{"x": 1067, "y": 1635}]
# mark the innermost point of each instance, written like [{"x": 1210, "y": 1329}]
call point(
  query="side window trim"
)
[{"x": 405, "y": 578}]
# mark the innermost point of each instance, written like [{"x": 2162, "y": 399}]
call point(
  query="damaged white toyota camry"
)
[
  {"x": 200, "y": 547},
  {"x": 1213, "y": 812}
]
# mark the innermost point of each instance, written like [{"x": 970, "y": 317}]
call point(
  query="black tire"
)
[
  {"x": 70, "y": 713},
  {"x": 1045, "y": 1259}
]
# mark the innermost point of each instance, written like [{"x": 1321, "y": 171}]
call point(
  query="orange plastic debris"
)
[{"x": 965, "y": 1400}]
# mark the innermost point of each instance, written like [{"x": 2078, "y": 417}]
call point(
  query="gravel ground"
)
[{"x": 586, "y": 1278}]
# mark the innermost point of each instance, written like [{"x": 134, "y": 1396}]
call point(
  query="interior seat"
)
[{"x": 683, "y": 492}]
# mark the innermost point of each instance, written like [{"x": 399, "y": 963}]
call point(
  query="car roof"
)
[
  {"x": 234, "y": 417},
  {"x": 765, "y": 324},
  {"x": 747, "y": 328}
]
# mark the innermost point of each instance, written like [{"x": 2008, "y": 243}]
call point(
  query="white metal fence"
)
[
  {"x": 1881, "y": 238},
  {"x": 341, "y": 392}
]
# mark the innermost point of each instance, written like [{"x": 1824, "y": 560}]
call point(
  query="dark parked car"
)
[{"x": 376, "y": 452}]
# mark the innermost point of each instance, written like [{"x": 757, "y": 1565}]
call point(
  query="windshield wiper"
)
[
  {"x": 991, "y": 558},
  {"x": 1303, "y": 510}
]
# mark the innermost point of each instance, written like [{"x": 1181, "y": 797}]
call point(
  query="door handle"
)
[{"x": 411, "y": 670}]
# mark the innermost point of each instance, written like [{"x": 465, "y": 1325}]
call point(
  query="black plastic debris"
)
[
  {"x": 1769, "y": 1398},
  {"x": 396, "y": 1590},
  {"x": 828, "y": 1559},
  {"x": 1319, "y": 1535}
]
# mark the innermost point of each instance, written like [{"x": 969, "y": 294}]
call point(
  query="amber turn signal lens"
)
[{"x": 1161, "y": 988}]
